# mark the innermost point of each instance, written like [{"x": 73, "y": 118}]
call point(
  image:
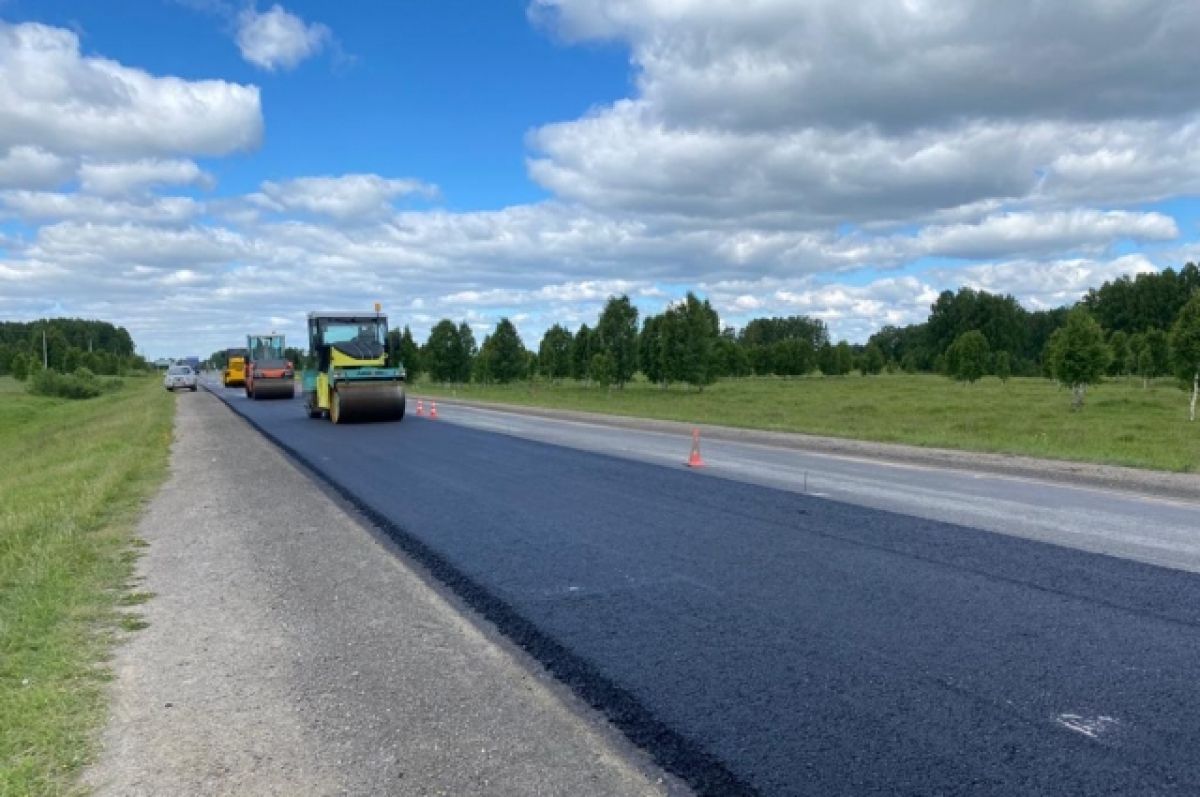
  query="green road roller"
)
[{"x": 351, "y": 380}]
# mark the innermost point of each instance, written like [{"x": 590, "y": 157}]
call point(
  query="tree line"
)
[
  {"x": 1148, "y": 326},
  {"x": 66, "y": 345},
  {"x": 1136, "y": 314},
  {"x": 1130, "y": 326},
  {"x": 685, "y": 344}
]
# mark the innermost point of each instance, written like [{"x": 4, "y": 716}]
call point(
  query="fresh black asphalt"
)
[{"x": 757, "y": 641}]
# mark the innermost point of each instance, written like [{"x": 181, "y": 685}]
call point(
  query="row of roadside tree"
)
[
  {"x": 66, "y": 345},
  {"x": 1130, "y": 326},
  {"x": 685, "y": 344},
  {"x": 1136, "y": 314},
  {"x": 1147, "y": 326}
]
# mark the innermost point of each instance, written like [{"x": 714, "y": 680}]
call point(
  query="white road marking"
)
[{"x": 1091, "y": 727}]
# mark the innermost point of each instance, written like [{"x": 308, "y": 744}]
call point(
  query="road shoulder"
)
[{"x": 288, "y": 652}]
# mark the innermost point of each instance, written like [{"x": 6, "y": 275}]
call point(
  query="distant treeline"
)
[
  {"x": 70, "y": 343},
  {"x": 1135, "y": 313},
  {"x": 685, "y": 343}
]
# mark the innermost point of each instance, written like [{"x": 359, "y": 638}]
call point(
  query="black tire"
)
[
  {"x": 310, "y": 406},
  {"x": 192, "y": 388},
  {"x": 335, "y": 408}
]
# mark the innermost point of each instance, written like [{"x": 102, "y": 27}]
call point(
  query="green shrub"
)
[
  {"x": 1002, "y": 365},
  {"x": 19, "y": 366},
  {"x": 967, "y": 358},
  {"x": 80, "y": 385},
  {"x": 106, "y": 384}
]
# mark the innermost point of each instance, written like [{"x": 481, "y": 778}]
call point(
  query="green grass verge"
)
[
  {"x": 73, "y": 475},
  {"x": 1121, "y": 424}
]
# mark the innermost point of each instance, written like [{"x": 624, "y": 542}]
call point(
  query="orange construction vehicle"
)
[{"x": 269, "y": 374}]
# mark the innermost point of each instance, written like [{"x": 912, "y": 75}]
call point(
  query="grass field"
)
[
  {"x": 1121, "y": 424},
  {"x": 73, "y": 476}
]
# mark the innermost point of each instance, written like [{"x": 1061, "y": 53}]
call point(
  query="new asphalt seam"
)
[
  {"x": 1137, "y": 481},
  {"x": 670, "y": 750}
]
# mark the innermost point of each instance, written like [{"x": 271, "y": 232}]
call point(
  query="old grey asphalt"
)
[{"x": 288, "y": 652}]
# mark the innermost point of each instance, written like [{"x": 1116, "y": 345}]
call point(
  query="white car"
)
[{"x": 180, "y": 376}]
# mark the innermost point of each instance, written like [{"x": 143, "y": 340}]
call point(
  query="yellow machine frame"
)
[{"x": 235, "y": 372}]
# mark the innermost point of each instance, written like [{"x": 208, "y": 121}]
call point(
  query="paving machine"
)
[
  {"x": 234, "y": 374},
  {"x": 269, "y": 373},
  {"x": 352, "y": 380}
]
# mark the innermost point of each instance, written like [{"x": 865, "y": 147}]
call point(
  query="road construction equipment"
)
[
  {"x": 269, "y": 373},
  {"x": 352, "y": 380},
  {"x": 234, "y": 374}
]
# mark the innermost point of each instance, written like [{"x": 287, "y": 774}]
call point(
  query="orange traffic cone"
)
[
  {"x": 433, "y": 410},
  {"x": 695, "y": 461},
  {"x": 420, "y": 407}
]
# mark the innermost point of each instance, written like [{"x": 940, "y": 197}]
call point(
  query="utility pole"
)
[{"x": 45, "y": 358}]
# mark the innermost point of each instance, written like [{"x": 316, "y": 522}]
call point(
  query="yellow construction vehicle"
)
[{"x": 235, "y": 368}]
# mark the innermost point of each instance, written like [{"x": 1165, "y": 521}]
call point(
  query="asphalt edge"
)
[
  {"x": 675, "y": 753},
  {"x": 1166, "y": 484}
]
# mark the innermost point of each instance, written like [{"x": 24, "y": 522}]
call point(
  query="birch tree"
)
[
  {"x": 1185, "y": 348},
  {"x": 1078, "y": 354},
  {"x": 967, "y": 357}
]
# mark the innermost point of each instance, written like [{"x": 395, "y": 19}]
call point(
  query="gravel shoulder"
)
[
  {"x": 1086, "y": 474},
  {"x": 289, "y": 651}
]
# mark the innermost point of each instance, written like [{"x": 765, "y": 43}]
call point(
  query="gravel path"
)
[{"x": 289, "y": 652}]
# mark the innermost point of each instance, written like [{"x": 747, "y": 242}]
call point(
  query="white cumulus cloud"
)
[
  {"x": 46, "y": 206},
  {"x": 1025, "y": 233},
  {"x": 345, "y": 197},
  {"x": 779, "y": 157},
  {"x": 125, "y": 177},
  {"x": 56, "y": 99},
  {"x": 822, "y": 112},
  {"x": 31, "y": 167},
  {"x": 768, "y": 64},
  {"x": 277, "y": 39}
]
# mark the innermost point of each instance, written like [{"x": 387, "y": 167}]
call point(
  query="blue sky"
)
[
  {"x": 197, "y": 168},
  {"x": 440, "y": 89}
]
